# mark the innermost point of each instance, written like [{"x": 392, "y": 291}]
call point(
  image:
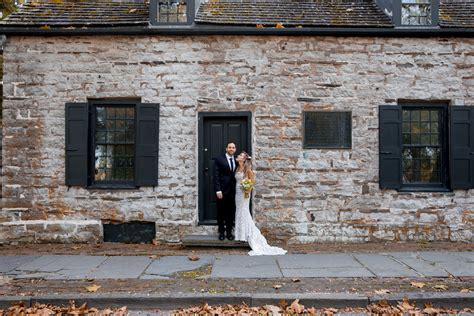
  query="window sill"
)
[
  {"x": 415, "y": 190},
  {"x": 112, "y": 187}
]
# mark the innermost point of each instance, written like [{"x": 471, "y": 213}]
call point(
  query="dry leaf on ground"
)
[
  {"x": 277, "y": 286},
  {"x": 193, "y": 258},
  {"x": 440, "y": 287},
  {"x": 405, "y": 305},
  {"x": 419, "y": 285},
  {"x": 382, "y": 291},
  {"x": 296, "y": 307},
  {"x": 93, "y": 288}
]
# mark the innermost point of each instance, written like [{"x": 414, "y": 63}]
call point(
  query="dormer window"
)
[
  {"x": 416, "y": 12},
  {"x": 169, "y": 12},
  {"x": 173, "y": 11}
]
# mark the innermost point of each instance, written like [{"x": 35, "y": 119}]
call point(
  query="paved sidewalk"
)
[{"x": 329, "y": 265}]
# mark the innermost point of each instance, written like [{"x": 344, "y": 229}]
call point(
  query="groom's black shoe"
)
[
  {"x": 230, "y": 237},
  {"x": 221, "y": 236}
]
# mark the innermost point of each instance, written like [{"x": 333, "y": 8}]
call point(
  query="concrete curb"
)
[
  {"x": 457, "y": 300},
  {"x": 173, "y": 301}
]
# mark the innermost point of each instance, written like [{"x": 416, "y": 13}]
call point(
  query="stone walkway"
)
[{"x": 353, "y": 265}]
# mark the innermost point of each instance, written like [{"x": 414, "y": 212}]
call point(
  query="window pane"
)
[
  {"x": 406, "y": 139},
  {"x": 425, "y": 127},
  {"x": 434, "y": 139},
  {"x": 100, "y": 137},
  {"x": 425, "y": 139},
  {"x": 112, "y": 157},
  {"x": 425, "y": 115}
]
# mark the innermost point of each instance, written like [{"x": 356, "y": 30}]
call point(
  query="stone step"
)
[{"x": 211, "y": 241}]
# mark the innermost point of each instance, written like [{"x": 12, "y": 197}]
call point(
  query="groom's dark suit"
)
[{"x": 224, "y": 181}]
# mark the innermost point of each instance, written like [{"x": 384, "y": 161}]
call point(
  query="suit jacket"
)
[{"x": 224, "y": 178}]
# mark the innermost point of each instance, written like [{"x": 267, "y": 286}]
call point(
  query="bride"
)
[{"x": 245, "y": 228}]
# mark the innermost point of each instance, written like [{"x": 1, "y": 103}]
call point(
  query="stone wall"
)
[{"x": 301, "y": 196}]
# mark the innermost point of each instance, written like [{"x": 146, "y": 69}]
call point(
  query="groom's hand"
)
[{"x": 219, "y": 195}]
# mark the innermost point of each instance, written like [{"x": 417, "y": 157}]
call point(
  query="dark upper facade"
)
[{"x": 243, "y": 16}]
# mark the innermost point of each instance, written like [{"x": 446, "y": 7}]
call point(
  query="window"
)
[
  {"x": 416, "y": 12},
  {"x": 112, "y": 143},
  {"x": 327, "y": 129},
  {"x": 422, "y": 148},
  {"x": 163, "y": 12},
  {"x": 114, "y": 137},
  {"x": 172, "y": 11}
]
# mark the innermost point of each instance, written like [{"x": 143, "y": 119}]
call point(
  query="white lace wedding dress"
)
[{"x": 245, "y": 228}]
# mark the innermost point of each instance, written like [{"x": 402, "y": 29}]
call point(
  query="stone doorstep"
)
[
  {"x": 169, "y": 302},
  {"x": 211, "y": 241}
]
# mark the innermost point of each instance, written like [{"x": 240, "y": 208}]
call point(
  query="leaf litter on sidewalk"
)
[
  {"x": 296, "y": 308},
  {"x": 47, "y": 309}
]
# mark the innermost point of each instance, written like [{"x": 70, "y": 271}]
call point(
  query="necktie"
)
[{"x": 231, "y": 164}]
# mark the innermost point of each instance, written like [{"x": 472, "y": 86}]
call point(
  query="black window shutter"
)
[
  {"x": 390, "y": 147},
  {"x": 77, "y": 117},
  {"x": 462, "y": 147},
  {"x": 146, "y": 147}
]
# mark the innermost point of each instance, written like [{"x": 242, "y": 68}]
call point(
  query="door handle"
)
[
  {"x": 206, "y": 169},
  {"x": 385, "y": 152}
]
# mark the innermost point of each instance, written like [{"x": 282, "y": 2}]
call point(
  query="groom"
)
[{"x": 224, "y": 186}]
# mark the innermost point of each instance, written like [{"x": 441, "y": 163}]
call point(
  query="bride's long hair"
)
[{"x": 248, "y": 173}]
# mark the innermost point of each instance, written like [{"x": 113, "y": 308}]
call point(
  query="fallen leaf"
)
[
  {"x": 274, "y": 310},
  {"x": 45, "y": 27},
  {"x": 93, "y": 288},
  {"x": 155, "y": 242},
  {"x": 260, "y": 26},
  {"x": 279, "y": 26},
  {"x": 132, "y": 10},
  {"x": 193, "y": 258},
  {"x": 405, "y": 305},
  {"x": 330, "y": 311},
  {"x": 382, "y": 291},
  {"x": 419, "y": 285},
  {"x": 440, "y": 287},
  {"x": 465, "y": 291},
  {"x": 297, "y": 307},
  {"x": 296, "y": 280},
  {"x": 277, "y": 286},
  {"x": 282, "y": 304}
]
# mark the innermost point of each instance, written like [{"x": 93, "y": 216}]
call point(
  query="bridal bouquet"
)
[{"x": 247, "y": 185}]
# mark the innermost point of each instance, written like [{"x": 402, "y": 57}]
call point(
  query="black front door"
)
[{"x": 215, "y": 130}]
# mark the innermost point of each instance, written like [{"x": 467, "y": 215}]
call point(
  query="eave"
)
[{"x": 196, "y": 30}]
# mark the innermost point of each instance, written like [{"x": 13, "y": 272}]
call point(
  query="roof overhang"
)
[{"x": 195, "y": 30}]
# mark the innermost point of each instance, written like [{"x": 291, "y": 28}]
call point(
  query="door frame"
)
[{"x": 201, "y": 117}]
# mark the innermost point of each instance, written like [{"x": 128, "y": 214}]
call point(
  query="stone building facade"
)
[{"x": 302, "y": 195}]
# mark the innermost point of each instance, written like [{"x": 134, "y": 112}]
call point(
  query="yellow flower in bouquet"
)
[{"x": 247, "y": 185}]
